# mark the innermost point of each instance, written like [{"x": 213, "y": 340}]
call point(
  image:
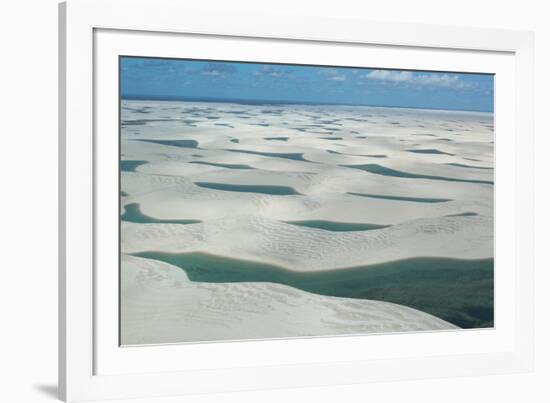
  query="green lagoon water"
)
[
  {"x": 402, "y": 198},
  {"x": 289, "y": 156},
  {"x": 381, "y": 170},
  {"x": 263, "y": 189},
  {"x": 131, "y": 165},
  {"x": 429, "y": 151},
  {"x": 336, "y": 226},
  {"x": 455, "y": 164},
  {"x": 132, "y": 213},
  {"x": 466, "y": 214},
  {"x": 458, "y": 291},
  {"x": 359, "y": 155},
  {"x": 276, "y": 138},
  {"x": 219, "y": 165},
  {"x": 174, "y": 143}
]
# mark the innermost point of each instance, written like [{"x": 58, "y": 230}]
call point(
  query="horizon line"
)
[{"x": 251, "y": 101}]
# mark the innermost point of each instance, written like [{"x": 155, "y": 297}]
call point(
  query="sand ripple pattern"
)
[
  {"x": 188, "y": 311},
  {"x": 316, "y": 166}
]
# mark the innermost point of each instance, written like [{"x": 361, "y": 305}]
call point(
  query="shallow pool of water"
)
[
  {"x": 174, "y": 143},
  {"x": 131, "y": 165},
  {"x": 381, "y": 170},
  {"x": 336, "y": 226},
  {"x": 220, "y": 165},
  {"x": 263, "y": 189},
  {"x": 458, "y": 291},
  {"x": 402, "y": 198},
  {"x": 132, "y": 213},
  {"x": 290, "y": 156}
]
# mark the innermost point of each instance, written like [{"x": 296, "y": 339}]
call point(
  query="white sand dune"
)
[
  {"x": 309, "y": 249},
  {"x": 160, "y": 305},
  {"x": 324, "y": 197},
  {"x": 427, "y": 175}
]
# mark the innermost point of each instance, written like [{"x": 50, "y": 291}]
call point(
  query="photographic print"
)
[{"x": 262, "y": 201}]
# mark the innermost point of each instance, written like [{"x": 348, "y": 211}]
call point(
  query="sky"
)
[{"x": 190, "y": 79}]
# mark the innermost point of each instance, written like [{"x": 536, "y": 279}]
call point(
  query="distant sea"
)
[{"x": 139, "y": 97}]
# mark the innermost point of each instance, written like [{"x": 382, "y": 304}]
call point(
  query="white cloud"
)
[
  {"x": 338, "y": 78},
  {"x": 274, "y": 72},
  {"x": 211, "y": 73},
  {"x": 218, "y": 69},
  {"x": 269, "y": 71},
  {"x": 439, "y": 80},
  {"x": 389, "y": 75},
  {"x": 332, "y": 74},
  {"x": 419, "y": 79}
]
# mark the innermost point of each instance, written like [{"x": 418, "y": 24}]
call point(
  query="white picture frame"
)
[{"x": 91, "y": 364}]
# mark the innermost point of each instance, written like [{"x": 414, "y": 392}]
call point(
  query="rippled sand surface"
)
[{"x": 307, "y": 189}]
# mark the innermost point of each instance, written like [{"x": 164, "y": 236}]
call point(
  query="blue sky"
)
[{"x": 157, "y": 78}]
